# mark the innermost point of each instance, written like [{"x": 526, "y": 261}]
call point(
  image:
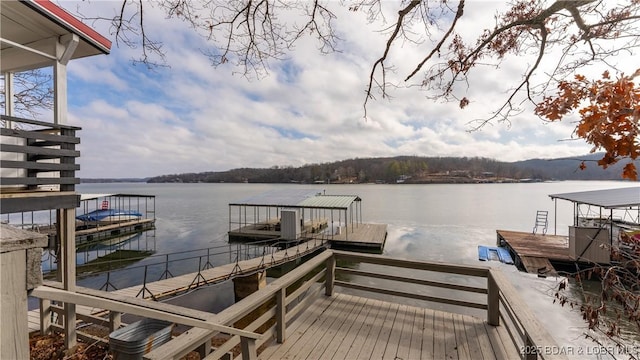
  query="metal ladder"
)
[{"x": 541, "y": 220}]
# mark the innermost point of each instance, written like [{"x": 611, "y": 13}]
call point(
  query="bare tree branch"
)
[{"x": 380, "y": 62}]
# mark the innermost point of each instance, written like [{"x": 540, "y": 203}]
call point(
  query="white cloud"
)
[{"x": 192, "y": 117}]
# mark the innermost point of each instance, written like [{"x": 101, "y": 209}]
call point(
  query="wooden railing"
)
[
  {"x": 266, "y": 312},
  {"x": 39, "y": 147},
  {"x": 503, "y": 305},
  {"x": 37, "y": 155}
]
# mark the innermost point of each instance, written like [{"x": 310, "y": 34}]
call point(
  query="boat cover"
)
[{"x": 98, "y": 215}]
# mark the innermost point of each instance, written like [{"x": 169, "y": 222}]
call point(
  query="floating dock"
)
[
  {"x": 363, "y": 237},
  {"x": 535, "y": 253}
]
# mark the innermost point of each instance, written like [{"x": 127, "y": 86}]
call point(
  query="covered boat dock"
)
[
  {"x": 296, "y": 215},
  {"x": 602, "y": 218}
]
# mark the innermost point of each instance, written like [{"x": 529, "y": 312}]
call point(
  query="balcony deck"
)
[
  {"x": 37, "y": 165},
  {"x": 350, "y": 327}
]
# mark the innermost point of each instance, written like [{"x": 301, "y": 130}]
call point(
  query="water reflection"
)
[{"x": 425, "y": 222}]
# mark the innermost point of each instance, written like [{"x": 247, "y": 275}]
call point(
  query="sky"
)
[{"x": 192, "y": 117}]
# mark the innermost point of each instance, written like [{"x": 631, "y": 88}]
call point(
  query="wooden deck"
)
[
  {"x": 349, "y": 327},
  {"x": 535, "y": 252},
  {"x": 313, "y": 320},
  {"x": 370, "y": 237}
]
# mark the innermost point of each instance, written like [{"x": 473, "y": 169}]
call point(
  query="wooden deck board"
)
[
  {"x": 486, "y": 350},
  {"x": 475, "y": 350},
  {"x": 450, "y": 345},
  {"x": 428, "y": 331},
  {"x": 439, "y": 335},
  {"x": 326, "y": 330},
  {"x": 415, "y": 348},
  {"x": 404, "y": 343},
  {"x": 349, "y": 330},
  {"x": 365, "y": 329},
  {"x": 376, "y": 328},
  {"x": 464, "y": 351},
  {"x": 387, "y": 327},
  {"x": 350, "y": 325}
]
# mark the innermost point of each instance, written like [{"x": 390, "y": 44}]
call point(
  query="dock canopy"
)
[
  {"x": 300, "y": 198},
  {"x": 608, "y": 199},
  {"x": 260, "y": 216}
]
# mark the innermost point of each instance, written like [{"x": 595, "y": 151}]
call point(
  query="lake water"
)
[{"x": 425, "y": 222}]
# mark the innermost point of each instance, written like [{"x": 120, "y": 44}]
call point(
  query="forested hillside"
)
[
  {"x": 413, "y": 169},
  {"x": 569, "y": 168},
  {"x": 403, "y": 169}
]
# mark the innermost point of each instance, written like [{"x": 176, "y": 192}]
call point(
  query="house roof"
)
[
  {"x": 37, "y": 25},
  {"x": 299, "y": 198},
  {"x": 608, "y": 199}
]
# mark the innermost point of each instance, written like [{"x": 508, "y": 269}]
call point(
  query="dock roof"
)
[
  {"x": 84, "y": 197},
  {"x": 300, "y": 198},
  {"x": 608, "y": 199}
]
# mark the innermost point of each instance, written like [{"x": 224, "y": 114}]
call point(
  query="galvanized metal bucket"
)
[{"x": 134, "y": 340}]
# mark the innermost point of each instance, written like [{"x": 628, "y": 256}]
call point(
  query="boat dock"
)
[
  {"x": 363, "y": 237},
  {"x": 535, "y": 253},
  {"x": 301, "y": 214}
]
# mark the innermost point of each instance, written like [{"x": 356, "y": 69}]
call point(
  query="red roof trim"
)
[{"x": 69, "y": 21}]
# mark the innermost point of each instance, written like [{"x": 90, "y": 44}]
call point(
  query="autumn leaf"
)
[
  {"x": 629, "y": 172},
  {"x": 608, "y": 112}
]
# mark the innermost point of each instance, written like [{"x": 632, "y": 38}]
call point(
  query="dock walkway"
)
[{"x": 165, "y": 288}]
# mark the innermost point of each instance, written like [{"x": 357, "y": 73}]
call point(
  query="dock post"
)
[
  {"x": 247, "y": 285},
  {"x": 330, "y": 276},
  {"x": 493, "y": 300},
  {"x": 280, "y": 315},
  {"x": 115, "y": 320}
]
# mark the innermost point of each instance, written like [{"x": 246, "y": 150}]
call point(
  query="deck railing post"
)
[
  {"x": 204, "y": 349},
  {"x": 493, "y": 300},
  {"x": 248, "y": 348},
  {"x": 330, "y": 276},
  {"x": 45, "y": 316},
  {"x": 280, "y": 315},
  {"x": 115, "y": 320}
]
